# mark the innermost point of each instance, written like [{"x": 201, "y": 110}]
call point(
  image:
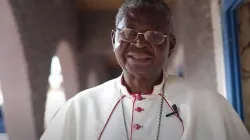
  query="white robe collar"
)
[{"x": 158, "y": 89}]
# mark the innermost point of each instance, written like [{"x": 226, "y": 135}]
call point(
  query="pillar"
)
[
  {"x": 69, "y": 69},
  {"x": 18, "y": 112}
]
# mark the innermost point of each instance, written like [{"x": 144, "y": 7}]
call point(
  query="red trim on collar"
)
[{"x": 131, "y": 93}]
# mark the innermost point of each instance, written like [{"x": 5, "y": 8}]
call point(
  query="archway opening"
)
[{"x": 55, "y": 95}]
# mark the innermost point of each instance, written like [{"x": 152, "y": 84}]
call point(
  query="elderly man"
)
[{"x": 143, "y": 103}]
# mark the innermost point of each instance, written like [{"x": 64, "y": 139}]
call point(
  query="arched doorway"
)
[
  {"x": 63, "y": 81},
  {"x": 55, "y": 95}
]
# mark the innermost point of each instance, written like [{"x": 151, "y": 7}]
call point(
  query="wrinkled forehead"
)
[{"x": 144, "y": 19}]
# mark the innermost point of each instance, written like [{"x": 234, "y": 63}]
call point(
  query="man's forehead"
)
[{"x": 144, "y": 16}]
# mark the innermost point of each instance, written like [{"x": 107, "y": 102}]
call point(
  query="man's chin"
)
[{"x": 140, "y": 71}]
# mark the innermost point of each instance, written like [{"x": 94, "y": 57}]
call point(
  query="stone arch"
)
[{"x": 38, "y": 33}]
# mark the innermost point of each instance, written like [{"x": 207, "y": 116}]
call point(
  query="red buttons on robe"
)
[
  {"x": 134, "y": 96},
  {"x": 137, "y": 126},
  {"x": 138, "y": 109},
  {"x": 139, "y": 97}
]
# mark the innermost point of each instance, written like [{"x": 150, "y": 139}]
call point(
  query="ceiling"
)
[{"x": 90, "y": 5}]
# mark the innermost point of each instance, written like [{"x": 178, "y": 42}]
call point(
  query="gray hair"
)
[{"x": 157, "y": 4}]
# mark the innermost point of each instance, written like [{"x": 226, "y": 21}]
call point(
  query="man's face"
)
[{"x": 141, "y": 57}]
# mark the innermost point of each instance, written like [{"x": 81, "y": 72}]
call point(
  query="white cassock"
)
[{"x": 109, "y": 112}]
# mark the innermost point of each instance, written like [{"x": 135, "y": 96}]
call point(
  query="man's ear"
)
[
  {"x": 113, "y": 37},
  {"x": 172, "y": 45}
]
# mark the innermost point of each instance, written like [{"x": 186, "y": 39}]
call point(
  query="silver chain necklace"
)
[{"x": 159, "y": 121}]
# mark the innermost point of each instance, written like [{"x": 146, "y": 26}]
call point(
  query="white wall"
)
[{"x": 218, "y": 47}]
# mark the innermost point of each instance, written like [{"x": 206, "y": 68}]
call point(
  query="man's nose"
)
[{"x": 141, "y": 42}]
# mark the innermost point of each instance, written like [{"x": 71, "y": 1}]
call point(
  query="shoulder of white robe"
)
[
  {"x": 108, "y": 86},
  {"x": 235, "y": 127},
  {"x": 62, "y": 127}
]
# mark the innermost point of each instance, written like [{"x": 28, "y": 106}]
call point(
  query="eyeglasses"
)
[{"x": 153, "y": 37}]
